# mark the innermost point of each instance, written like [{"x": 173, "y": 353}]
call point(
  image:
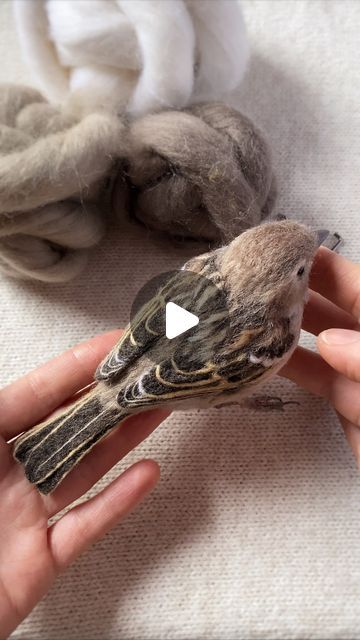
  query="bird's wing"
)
[
  {"x": 137, "y": 338},
  {"x": 195, "y": 371},
  {"x": 172, "y": 380},
  {"x": 148, "y": 326}
]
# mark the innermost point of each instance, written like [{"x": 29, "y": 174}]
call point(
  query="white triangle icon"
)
[{"x": 178, "y": 320}]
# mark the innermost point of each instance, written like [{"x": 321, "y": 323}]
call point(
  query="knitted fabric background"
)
[{"x": 253, "y": 531}]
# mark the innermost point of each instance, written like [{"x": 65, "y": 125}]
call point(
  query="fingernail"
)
[
  {"x": 353, "y": 435},
  {"x": 339, "y": 337}
]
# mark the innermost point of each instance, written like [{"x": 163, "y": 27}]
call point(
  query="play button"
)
[
  {"x": 178, "y": 320},
  {"x": 174, "y": 313}
]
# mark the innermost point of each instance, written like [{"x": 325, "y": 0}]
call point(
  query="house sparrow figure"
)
[{"x": 249, "y": 297}]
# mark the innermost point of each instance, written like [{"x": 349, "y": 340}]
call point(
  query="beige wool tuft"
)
[
  {"x": 52, "y": 168},
  {"x": 203, "y": 173}
]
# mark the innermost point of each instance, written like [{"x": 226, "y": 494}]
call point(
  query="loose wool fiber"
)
[
  {"x": 203, "y": 173},
  {"x": 138, "y": 55},
  {"x": 51, "y": 171}
]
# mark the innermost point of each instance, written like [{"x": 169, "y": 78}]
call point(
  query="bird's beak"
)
[{"x": 321, "y": 235}]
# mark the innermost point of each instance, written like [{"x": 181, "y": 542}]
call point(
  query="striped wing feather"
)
[
  {"x": 148, "y": 325},
  {"x": 168, "y": 383},
  {"x": 137, "y": 338}
]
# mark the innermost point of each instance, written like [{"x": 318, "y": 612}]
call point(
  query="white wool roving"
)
[{"x": 133, "y": 55}]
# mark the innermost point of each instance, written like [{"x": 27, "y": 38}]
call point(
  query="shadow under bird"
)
[{"x": 249, "y": 296}]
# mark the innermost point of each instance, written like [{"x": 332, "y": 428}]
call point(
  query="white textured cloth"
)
[
  {"x": 253, "y": 532},
  {"x": 138, "y": 54}
]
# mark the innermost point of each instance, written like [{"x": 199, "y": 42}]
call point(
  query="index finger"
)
[
  {"x": 29, "y": 399},
  {"x": 338, "y": 280},
  {"x": 324, "y": 381}
]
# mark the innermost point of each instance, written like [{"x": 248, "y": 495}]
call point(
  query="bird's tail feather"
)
[{"x": 51, "y": 449}]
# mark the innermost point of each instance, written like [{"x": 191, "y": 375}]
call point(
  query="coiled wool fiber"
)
[
  {"x": 52, "y": 167},
  {"x": 203, "y": 173},
  {"x": 133, "y": 55}
]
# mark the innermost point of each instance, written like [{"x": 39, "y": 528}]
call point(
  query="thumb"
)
[{"x": 341, "y": 349}]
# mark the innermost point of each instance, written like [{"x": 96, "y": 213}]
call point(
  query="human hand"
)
[
  {"x": 31, "y": 553},
  {"x": 335, "y": 373}
]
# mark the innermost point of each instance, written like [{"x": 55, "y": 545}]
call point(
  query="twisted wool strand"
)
[
  {"x": 138, "y": 55},
  {"x": 203, "y": 173},
  {"x": 51, "y": 172}
]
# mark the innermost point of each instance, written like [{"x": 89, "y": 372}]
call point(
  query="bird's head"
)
[{"x": 269, "y": 265}]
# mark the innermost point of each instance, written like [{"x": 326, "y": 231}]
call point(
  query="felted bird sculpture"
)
[{"x": 249, "y": 297}]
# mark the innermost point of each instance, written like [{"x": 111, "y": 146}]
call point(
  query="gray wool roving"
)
[
  {"x": 201, "y": 173},
  {"x": 52, "y": 168},
  {"x": 204, "y": 172}
]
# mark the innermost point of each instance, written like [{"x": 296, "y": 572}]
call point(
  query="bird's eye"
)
[{"x": 301, "y": 272}]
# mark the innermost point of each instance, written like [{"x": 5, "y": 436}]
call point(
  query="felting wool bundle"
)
[
  {"x": 52, "y": 167},
  {"x": 142, "y": 55},
  {"x": 204, "y": 173}
]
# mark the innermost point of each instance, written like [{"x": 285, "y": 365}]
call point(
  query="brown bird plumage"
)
[{"x": 248, "y": 329}]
